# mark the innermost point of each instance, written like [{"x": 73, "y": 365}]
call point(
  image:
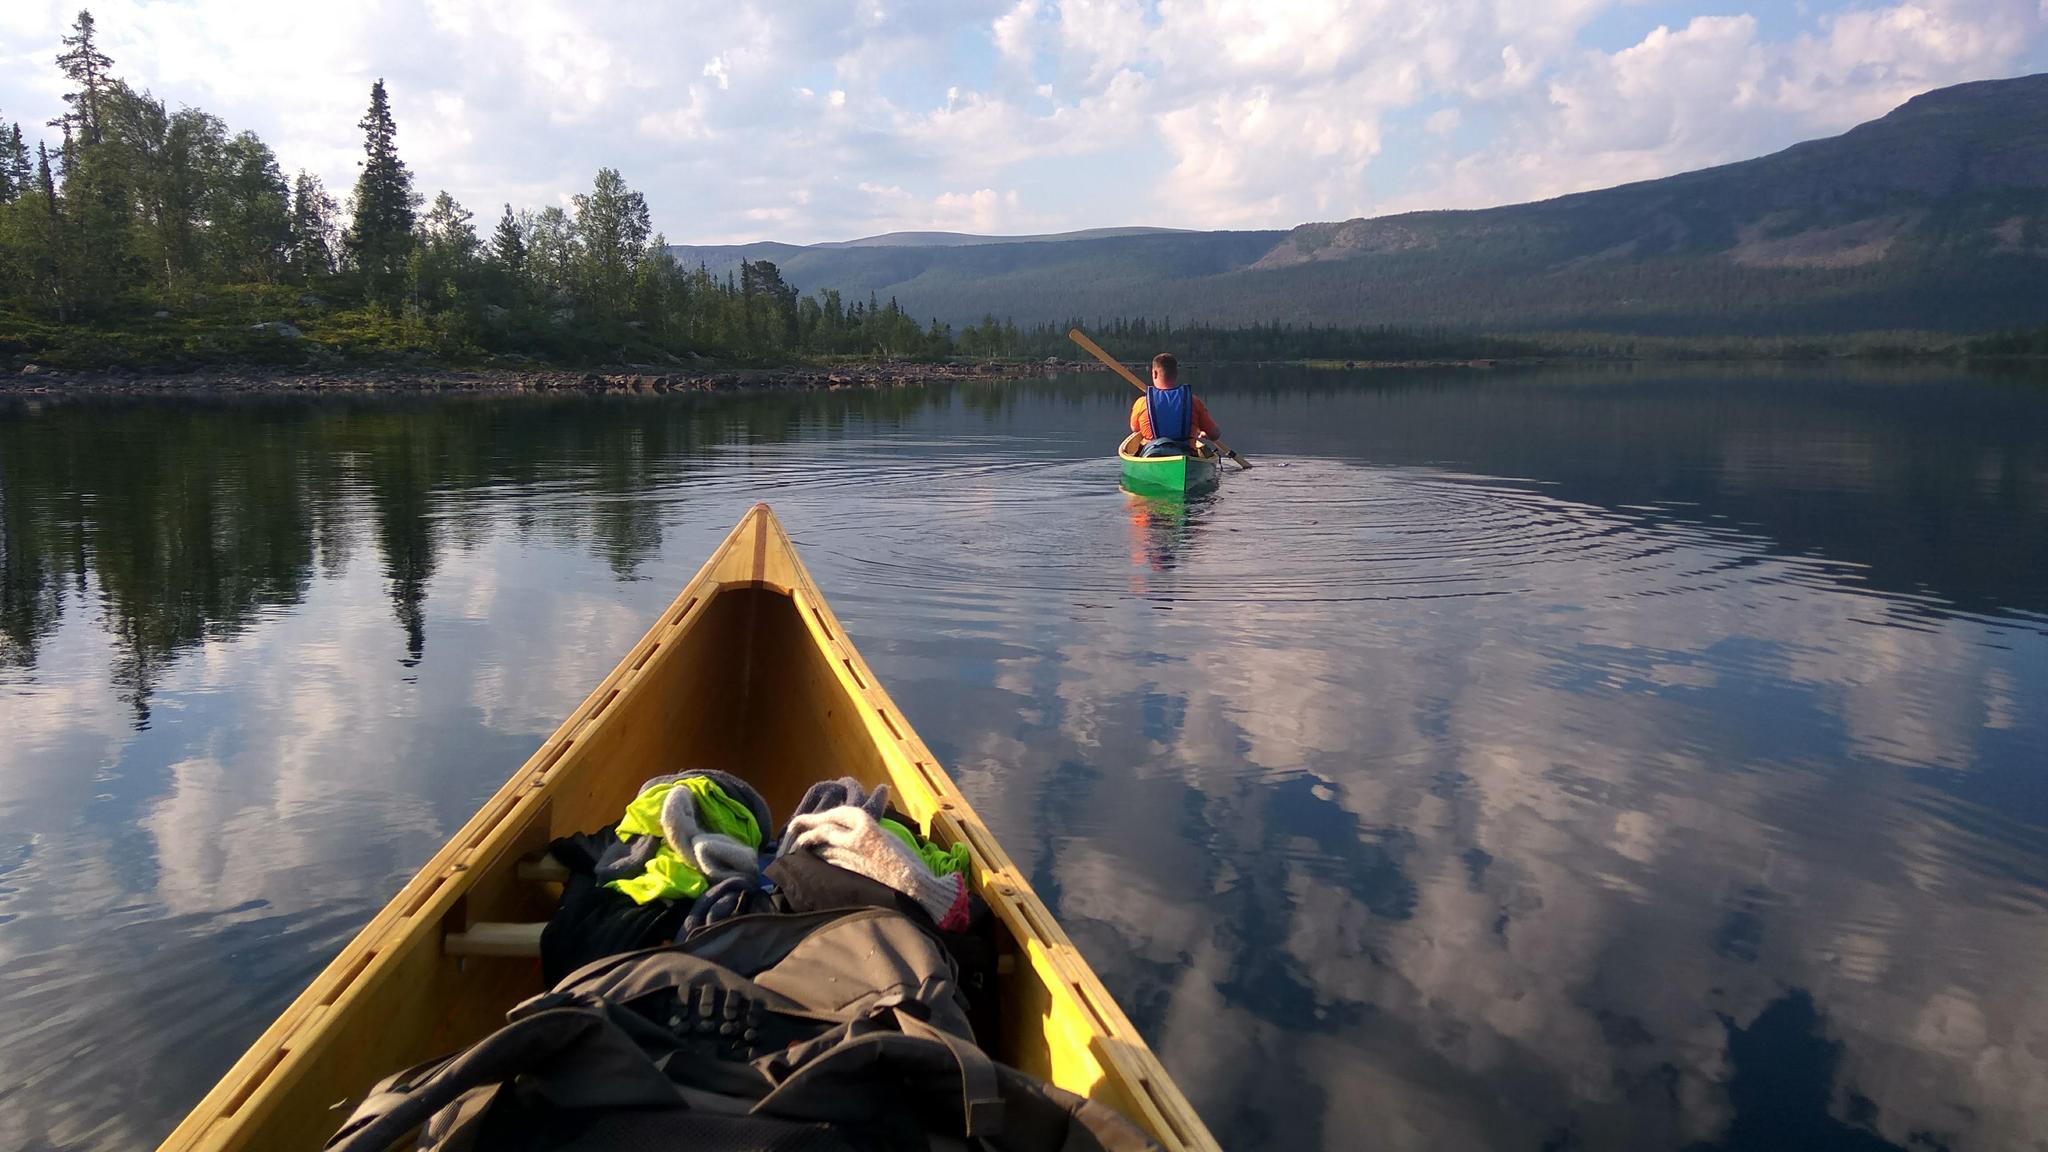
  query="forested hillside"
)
[
  {"x": 1028, "y": 280},
  {"x": 1934, "y": 217}
]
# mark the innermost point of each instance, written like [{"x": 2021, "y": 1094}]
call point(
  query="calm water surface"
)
[{"x": 1570, "y": 761}]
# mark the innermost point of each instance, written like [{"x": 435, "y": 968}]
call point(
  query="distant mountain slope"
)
[
  {"x": 1933, "y": 217},
  {"x": 1028, "y": 279},
  {"x": 964, "y": 239}
]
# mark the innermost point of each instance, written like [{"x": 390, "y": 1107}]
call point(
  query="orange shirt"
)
[{"x": 1141, "y": 419}]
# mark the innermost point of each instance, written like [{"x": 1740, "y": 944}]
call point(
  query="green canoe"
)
[{"x": 1167, "y": 475}]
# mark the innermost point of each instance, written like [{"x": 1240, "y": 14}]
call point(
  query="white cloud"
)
[
  {"x": 1228, "y": 150},
  {"x": 717, "y": 70},
  {"x": 1714, "y": 90},
  {"x": 1015, "y": 36},
  {"x": 685, "y": 121},
  {"x": 976, "y": 133},
  {"x": 1273, "y": 114},
  {"x": 982, "y": 210},
  {"x": 891, "y": 208},
  {"x": 1101, "y": 36},
  {"x": 1871, "y": 60}
]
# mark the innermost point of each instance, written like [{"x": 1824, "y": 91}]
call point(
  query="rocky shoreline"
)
[{"x": 36, "y": 380}]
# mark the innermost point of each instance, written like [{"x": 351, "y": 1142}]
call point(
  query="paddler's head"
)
[{"x": 1165, "y": 370}]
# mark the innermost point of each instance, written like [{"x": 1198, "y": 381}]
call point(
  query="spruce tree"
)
[
  {"x": 50, "y": 265},
  {"x": 508, "y": 244},
  {"x": 43, "y": 180},
  {"x": 89, "y": 68},
  {"x": 14, "y": 170},
  {"x": 98, "y": 205},
  {"x": 380, "y": 237}
]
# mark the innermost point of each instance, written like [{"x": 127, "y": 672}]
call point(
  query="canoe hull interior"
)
[{"x": 747, "y": 671}]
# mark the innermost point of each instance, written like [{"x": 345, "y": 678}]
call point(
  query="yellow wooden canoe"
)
[{"x": 747, "y": 670}]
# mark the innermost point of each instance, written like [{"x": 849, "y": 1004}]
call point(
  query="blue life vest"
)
[{"x": 1172, "y": 411}]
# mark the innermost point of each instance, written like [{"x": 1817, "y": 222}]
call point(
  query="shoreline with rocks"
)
[
  {"x": 255, "y": 380},
  {"x": 33, "y": 380}
]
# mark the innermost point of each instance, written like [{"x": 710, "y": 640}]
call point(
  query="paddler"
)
[{"x": 1169, "y": 416}]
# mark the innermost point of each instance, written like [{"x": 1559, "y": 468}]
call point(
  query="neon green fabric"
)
[
  {"x": 942, "y": 861},
  {"x": 643, "y": 815},
  {"x": 716, "y": 812},
  {"x": 668, "y": 876}
]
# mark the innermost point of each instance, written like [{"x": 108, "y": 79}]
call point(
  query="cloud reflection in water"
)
[{"x": 1625, "y": 802}]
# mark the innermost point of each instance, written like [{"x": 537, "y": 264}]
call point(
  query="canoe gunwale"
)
[
  {"x": 1114, "y": 1064},
  {"x": 1125, "y": 453}
]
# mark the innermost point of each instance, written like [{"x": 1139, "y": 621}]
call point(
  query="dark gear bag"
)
[{"x": 833, "y": 1030}]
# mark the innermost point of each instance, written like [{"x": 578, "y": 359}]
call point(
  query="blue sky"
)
[{"x": 823, "y": 121}]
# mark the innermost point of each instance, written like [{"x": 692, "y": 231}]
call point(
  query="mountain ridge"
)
[
  {"x": 1933, "y": 216},
  {"x": 929, "y": 239}
]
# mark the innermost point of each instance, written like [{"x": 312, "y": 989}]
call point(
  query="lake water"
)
[{"x": 1594, "y": 760}]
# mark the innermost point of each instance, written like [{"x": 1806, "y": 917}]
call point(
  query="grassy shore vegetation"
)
[
  {"x": 1853, "y": 345},
  {"x": 1334, "y": 347}
]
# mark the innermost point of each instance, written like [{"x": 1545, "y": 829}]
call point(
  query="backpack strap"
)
[
  {"x": 588, "y": 1061},
  {"x": 456, "y": 1127},
  {"x": 981, "y": 1098},
  {"x": 832, "y": 1078}
]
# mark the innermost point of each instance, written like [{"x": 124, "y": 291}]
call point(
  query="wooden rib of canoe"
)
[
  {"x": 748, "y": 671},
  {"x": 1167, "y": 475}
]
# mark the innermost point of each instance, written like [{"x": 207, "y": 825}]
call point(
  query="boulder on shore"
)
[{"x": 278, "y": 328}]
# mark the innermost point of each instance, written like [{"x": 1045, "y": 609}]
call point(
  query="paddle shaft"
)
[{"x": 1095, "y": 350}]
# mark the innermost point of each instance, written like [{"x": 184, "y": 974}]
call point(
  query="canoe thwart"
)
[{"x": 492, "y": 938}]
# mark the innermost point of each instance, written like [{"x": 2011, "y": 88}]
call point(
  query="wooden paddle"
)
[{"x": 1095, "y": 350}]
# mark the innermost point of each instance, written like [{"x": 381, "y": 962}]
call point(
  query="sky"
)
[{"x": 833, "y": 119}]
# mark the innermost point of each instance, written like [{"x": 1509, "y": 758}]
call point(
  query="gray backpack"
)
[{"x": 824, "y": 1031}]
